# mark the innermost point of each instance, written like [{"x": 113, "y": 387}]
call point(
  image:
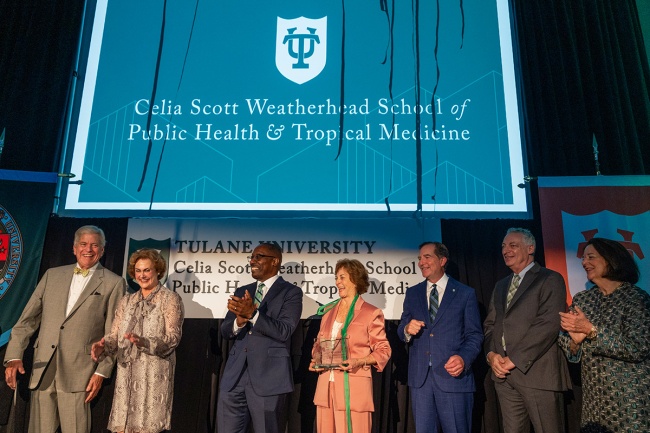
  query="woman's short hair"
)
[
  {"x": 159, "y": 263},
  {"x": 358, "y": 273},
  {"x": 620, "y": 263}
]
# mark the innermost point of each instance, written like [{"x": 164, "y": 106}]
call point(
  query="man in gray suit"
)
[
  {"x": 521, "y": 329},
  {"x": 73, "y": 306}
]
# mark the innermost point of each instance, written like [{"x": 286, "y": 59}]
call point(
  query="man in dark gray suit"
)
[
  {"x": 73, "y": 306},
  {"x": 521, "y": 329},
  {"x": 258, "y": 378}
]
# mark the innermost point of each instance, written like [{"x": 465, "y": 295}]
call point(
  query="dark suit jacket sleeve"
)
[
  {"x": 410, "y": 300},
  {"x": 488, "y": 326},
  {"x": 229, "y": 321},
  {"x": 405, "y": 319},
  {"x": 544, "y": 328},
  {"x": 281, "y": 328},
  {"x": 473, "y": 336}
]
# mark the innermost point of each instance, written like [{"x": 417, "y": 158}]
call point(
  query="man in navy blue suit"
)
[
  {"x": 441, "y": 324},
  {"x": 258, "y": 378}
]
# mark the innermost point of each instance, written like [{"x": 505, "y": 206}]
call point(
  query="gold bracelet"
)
[{"x": 593, "y": 333}]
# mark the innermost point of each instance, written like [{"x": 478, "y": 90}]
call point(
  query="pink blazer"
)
[{"x": 366, "y": 335}]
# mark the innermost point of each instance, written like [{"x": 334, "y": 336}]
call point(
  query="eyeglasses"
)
[{"x": 258, "y": 257}]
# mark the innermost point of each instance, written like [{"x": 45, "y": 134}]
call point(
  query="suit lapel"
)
[
  {"x": 357, "y": 308},
  {"x": 447, "y": 299},
  {"x": 64, "y": 281},
  {"x": 530, "y": 276},
  {"x": 422, "y": 303},
  {"x": 500, "y": 294},
  {"x": 274, "y": 290}
]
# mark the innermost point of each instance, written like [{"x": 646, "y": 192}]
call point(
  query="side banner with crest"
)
[
  {"x": 576, "y": 209},
  {"x": 24, "y": 212}
]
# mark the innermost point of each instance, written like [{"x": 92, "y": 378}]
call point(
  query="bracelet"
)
[{"x": 593, "y": 333}]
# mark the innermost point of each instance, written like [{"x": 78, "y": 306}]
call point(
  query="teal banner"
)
[{"x": 24, "y": 212}]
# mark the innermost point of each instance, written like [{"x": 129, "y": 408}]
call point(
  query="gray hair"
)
[
  {"x": 92, "y": 230},
  {"x": 529, "y": 239}
]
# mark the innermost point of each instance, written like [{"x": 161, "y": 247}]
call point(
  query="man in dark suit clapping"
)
[{"x": 261, "y": 318}]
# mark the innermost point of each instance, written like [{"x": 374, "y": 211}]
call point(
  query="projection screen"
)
[{"x": 308, "y": 106}]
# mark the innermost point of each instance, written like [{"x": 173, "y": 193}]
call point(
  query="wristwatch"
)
[{"x": 593, "y": 333}]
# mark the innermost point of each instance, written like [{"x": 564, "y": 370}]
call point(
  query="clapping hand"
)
[
  {"x": 576, "y": 324},
  {"x": 134, "y": 338},
  {"x": 243, "y": 308}
]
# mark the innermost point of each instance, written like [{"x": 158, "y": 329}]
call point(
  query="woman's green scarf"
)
[{"x": 344, "y": 331}]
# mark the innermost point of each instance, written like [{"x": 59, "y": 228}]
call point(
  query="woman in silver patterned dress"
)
[
  {"x": 608, "y": 330},
  {"x": 145, "y": 333}
]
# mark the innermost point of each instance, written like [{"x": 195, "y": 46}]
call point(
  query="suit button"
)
[
  {"x": 53, "y": 346},
  {"x": 431, "y": 335},
  {"x": 62, "y": 327},
  {"x": 245, "y": 350},
  {"x": 250, "y": 332}
]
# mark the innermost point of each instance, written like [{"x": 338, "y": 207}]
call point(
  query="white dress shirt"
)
[{"x": 77, "y": 287}]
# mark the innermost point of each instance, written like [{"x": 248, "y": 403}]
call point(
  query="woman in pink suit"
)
[{"x": 343, "y": 399}]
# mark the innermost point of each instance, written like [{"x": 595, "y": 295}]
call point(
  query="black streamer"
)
[
  {"x": 180, "y": 80},
  {"x": 153, "y": 93},
  {"x": 342, "y": 95}
]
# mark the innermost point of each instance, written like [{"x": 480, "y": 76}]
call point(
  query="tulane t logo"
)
[{"x": 301, "y": 48}]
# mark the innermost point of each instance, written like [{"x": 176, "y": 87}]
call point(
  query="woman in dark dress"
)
[{"x": 608, "y": 330}]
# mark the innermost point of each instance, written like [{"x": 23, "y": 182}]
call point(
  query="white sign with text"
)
[{"x": 207, "y": 258}]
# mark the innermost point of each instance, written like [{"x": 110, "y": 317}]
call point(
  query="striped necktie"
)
[
  {"x": 514, "y": 285},
  {"x": 259, "y": 294},
  {"x": 433, "y": 303}
]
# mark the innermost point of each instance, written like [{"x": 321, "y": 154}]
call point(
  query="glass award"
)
[{"x": 329, "y": 353}]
